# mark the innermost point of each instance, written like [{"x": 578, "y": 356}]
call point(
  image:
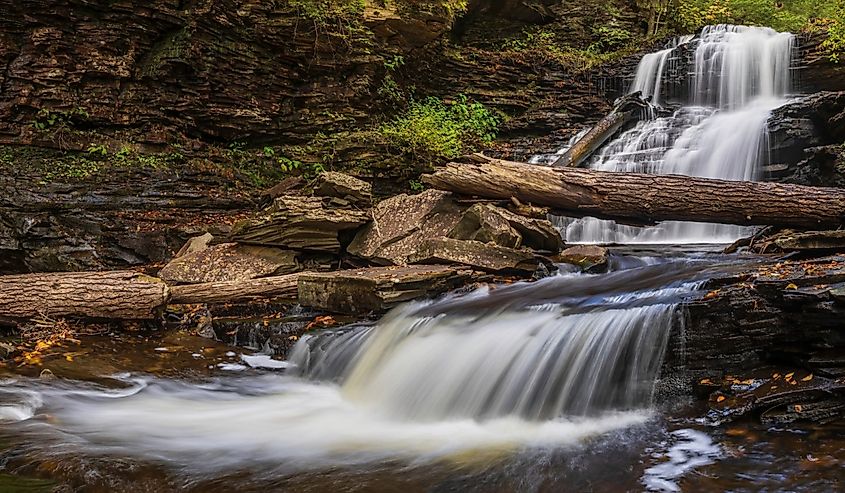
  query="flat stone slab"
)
[
  {"x": 300, "y": 223},
  {"x": 228, "y": 262},
  {"x": 376, "y": 289},
  {"x": 483, "y": 256},
  {"x": 402, "y": 223}
]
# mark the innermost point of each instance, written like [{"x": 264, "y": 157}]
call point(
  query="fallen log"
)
[
  {"x": 643, "y": 197},
  {"x": 630, "y": 109},
  {"x": 112, "y": 295},
  {"x": 236, "y": 291}
]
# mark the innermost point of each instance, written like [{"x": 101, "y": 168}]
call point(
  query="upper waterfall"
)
[{"x": 737, "y": 75}]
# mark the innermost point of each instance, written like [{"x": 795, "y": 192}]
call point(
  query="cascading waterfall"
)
[
  {"x": 739, "y": 75},
  {"x": 548, "y": 363}
]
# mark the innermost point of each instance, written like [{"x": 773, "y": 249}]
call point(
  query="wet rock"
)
[
  {"x": 779, "y": 396},
  {"x": 332, "y": 184},
  {"x": 124, "y": 218},
  {"x": 810, "y": 240},
  {"x": 229, "y": 262},
  {"x": 823, "y": 167},
  {"x": 482, "y": 256},
  {"x": 361, "y": 291},
  {"x": 590, "y": 258},
  {"x": 402, "y": 223},
  {"x": 301, "y": 223},
  {"x": 486, "y": 223},
  {"x": 799, "y": 132},
  {"x": 537, "y": 233},
  {"x": 195, "y": 244}
]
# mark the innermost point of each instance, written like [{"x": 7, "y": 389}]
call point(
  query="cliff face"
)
[{"x": 212, "y": 69}]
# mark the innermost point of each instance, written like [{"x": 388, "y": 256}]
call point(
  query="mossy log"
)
[{"x": 645, "y": 198}]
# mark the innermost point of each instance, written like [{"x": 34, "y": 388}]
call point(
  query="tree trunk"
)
[
  {"x": 630, "y": 109},
  {"x": 112, "y": 295},
  {"x": 236, "y": 291},
  {"x": 645, "y": 198}
]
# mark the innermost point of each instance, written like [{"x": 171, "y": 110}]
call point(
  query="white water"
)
[
  {"x": 415, "y": 387},
  {"x": 739, "y": 75}
]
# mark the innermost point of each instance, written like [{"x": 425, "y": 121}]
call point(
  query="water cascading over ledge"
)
[
  {"x": 576, "y": 357},
  {"x": 737, "y": 76}
]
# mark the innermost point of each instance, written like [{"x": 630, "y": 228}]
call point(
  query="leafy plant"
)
[
  {"x": 437, "y": 129},
  {"x": 416, "y": 185},
  {"x": 97, "y": 150}
]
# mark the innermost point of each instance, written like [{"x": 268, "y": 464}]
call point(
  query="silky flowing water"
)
[
  {"x": 738, "y": 75},
  {"x": 553, "y": 385}
]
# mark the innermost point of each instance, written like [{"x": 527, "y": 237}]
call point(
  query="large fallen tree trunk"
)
[
  {"x": 123, "y": 295},
  {"x": 113, "y": 295},
  {"x": 236, "y": 291},
  {"x": 645, "y": 198},
  {"x": 630, "y": 109}
]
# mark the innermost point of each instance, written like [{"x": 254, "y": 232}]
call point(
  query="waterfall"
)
[
  {"x": 739, "y": 74},
  {"x": 537, "y": 362},
  {"x": 545, "y": 364}
]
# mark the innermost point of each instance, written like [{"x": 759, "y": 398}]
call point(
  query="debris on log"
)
[
  {"x": 123, "y": 295},
  {"x": 361, "y": 291},
  {"x": 229, "y": 262},
  {"x": 645, "y": 198},
  {"x": 301, "y": 223}
]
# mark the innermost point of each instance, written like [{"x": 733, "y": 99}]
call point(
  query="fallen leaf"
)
[
  {"x": 720, "y": 398},
  {"x": 807, "y": 378}
]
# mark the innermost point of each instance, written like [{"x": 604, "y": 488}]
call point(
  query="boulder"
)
[
  {"x": 361, "y": 291},
  {"x": 229, "y": 262},
  {"x": 302, "y": 223},
  {"x": 402, "y": 223},
  {"x": 483, "y": 256},
  {"x": 538, "y": 234},
  {"x": 339, "y": 185},
  {"x": 590, "y": 258},
  {"x": 195, "y": 244},
  {"x": 487, "y": 224}
]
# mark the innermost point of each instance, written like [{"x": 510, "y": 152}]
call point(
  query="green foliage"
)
[
  {"x": 610, "y": 37},
  {"x": 326, "y": 11},
  {"x": 436, "y": 129},
  {"x": 542, "y": 45},
  {"x": 97, "y": 150},
  {"x": 788, "y": 15},
  {"x": 46, "y": 119},
  {"x": 416, "y": 185},
  {"x": 834, "y": 45}
]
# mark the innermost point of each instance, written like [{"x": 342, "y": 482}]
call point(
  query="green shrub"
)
[{"x": 437, "y": 129}]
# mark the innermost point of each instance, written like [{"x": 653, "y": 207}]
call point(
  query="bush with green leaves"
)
[
  {"x": 788, "y": 15},
  {"x": 436, "y": 129}
]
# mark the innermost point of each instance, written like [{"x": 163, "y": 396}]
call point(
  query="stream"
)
[{"x": 553, "y": 385}]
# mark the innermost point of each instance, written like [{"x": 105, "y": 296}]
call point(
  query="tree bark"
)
[
  {"x": 630, "y": 109},
  {"x": 236, "y": 291},
  {"x": 111, "y": 295},
  {"x": 645, "y": 198}
]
